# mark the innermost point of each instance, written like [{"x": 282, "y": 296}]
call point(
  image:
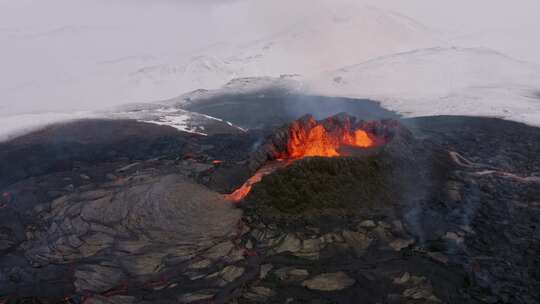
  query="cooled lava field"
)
[{"x": 327, "y": 201}]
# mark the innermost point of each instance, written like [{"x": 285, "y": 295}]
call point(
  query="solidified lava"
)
[{"x": 444, "y": 213}]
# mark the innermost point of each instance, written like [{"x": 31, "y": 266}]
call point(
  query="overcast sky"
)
[
  {"x": 49, "y": 45},
  {"x": 512, "y": 25}
]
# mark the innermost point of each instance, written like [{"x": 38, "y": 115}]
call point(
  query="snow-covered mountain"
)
[
  {"x": 433, "y": 81},
  {"x": 64, "y": 78},
  {"x": 241, "y": 86},
  {"x": 342, "y": 48},
  {"x": 327, "y": 40},
  {"x": 333, "y": 39}
]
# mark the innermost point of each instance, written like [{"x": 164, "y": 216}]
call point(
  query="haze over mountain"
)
[
  {"x": 63, "y": 57},
  {"x": 442, "y": 81}
]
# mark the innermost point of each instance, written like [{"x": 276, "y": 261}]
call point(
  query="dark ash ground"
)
[{"x": 127, "y": 212}]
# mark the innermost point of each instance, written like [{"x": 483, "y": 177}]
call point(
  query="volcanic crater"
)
[{"x": 335, "y": 162}]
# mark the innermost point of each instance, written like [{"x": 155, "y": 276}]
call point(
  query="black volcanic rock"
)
[
  {"x": 446, "y": 212},
  {"x": 59, "y": 147},
  {"x": 125, "y": 233},
  {"x": 320, "y": 183}
]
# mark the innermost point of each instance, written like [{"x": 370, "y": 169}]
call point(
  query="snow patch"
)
[{"x": 182, "y": 120}]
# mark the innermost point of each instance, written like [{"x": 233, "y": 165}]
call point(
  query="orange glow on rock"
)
[
  {"x": 310, "y": 138},
  {"x": 312, "y": 142},
  {"x": 317, "y": 141},
  {"x": 361, "y": 139},
  {"x": 240, "y": 193}
]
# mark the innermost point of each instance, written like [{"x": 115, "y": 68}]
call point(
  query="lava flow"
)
[
  {"x": 310, "y": 138},
  {"x": 240, "y": 193}
]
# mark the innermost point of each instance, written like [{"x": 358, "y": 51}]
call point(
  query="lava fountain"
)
[
  {"x": 307, "y": 137},
  {"x": 310, "y": 138}
]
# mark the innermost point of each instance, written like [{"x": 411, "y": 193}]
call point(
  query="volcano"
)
[
  {"x": 420, "y": 210},
  {"x": 340, "y": 135}
]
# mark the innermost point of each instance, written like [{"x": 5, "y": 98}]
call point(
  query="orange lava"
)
[
  {"x": 240, "y": 193},
  {"x": 310, "y": 139},
  {"x": 360, "y": 139},
  {"x": 311, "y": 142},
  {"x": 317, "y": 141}
]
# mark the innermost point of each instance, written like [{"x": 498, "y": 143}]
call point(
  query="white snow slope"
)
[
  {"x": 88, "y": 59},
  {"x": 442, "y": 81},
  {"x": 326, "y": 40}
]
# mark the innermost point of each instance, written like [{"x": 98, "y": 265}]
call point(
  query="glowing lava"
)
[
  {"x": 240, "y": 193},
  {"x": 310, "y": 138},
  {"x": 314, "y": 139}
]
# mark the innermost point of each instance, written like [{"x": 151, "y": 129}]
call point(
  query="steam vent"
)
[{"x": 331, "y": 209}]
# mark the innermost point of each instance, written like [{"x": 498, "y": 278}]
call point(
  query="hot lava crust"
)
[{"x": 426, "y": 210}]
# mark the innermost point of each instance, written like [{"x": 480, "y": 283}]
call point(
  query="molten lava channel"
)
[
  {"x": 311, "y": 139},
  {"x": 240, "y": 193}
]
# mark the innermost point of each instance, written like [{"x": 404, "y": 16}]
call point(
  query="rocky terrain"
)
[{"x": 128, "y": 212}]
